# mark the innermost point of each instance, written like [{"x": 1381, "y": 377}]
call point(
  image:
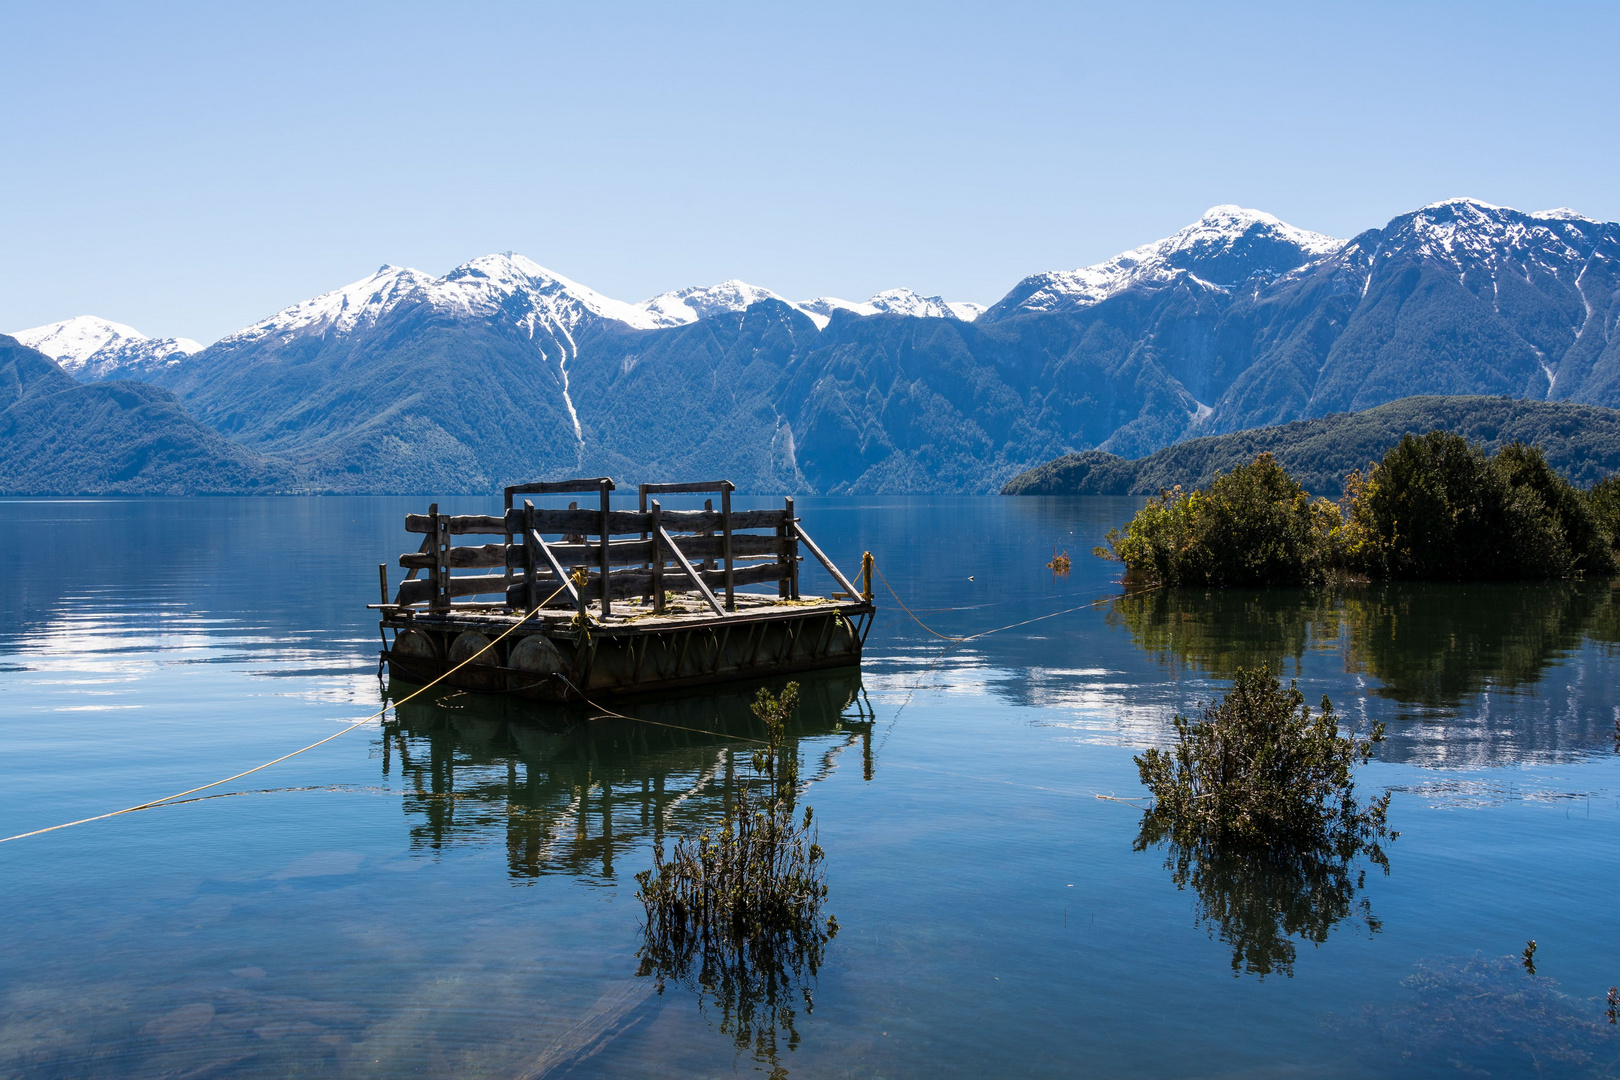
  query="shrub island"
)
[{"x": 1436, "y": 508}]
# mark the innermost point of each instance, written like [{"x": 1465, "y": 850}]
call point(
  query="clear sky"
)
[{"x": 191, "y": 169}]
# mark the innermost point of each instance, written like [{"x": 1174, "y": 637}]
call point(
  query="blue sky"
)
[{"x": 190, "y": 169}]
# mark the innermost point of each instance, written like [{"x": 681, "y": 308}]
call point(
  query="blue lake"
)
[{"x": 451, "y": 892}]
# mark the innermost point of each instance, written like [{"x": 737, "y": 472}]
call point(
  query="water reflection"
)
[
  {"x": 1446, "y": 655},
  {"x": 1261, "y": 900},
  {"x": 572, "y": 794}
]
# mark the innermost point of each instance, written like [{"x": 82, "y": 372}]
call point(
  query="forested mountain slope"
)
[{"x": 1581, "y": 441}]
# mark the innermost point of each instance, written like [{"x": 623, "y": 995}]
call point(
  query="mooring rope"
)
[
  {"x": 170, "y": 799},
  {"x": 607, "y": 712}
]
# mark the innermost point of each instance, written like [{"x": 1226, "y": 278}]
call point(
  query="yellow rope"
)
[
  {"x": 1009, "y": 626},
  {"x": 169, "y": 799}
]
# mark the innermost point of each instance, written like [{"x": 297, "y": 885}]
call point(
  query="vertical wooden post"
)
[
  {"x": 725, "y": 524},
  {"x": 508, "y": 569},
  {"x": 531, "y": 557},
  {"x": 641, "y": 492},
  {"x": 866, "y": 576},
  {"x": 793, "y": 551},
  {"x": 781, "y": 556},
  {"x": 607, "y": 600},
  {"x": 382, "y": 580},
  {"x": 441, "y": 559},
  {"x": 708, "y": 508},
  {"x": 581, "y": 576},
  {"x": 657, "y": 560}
]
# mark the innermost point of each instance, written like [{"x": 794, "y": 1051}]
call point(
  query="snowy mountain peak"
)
[
  {"x": 894, "y": 302},
  {"x": 90, "y": 348},
  {"x": 700, "y": 302},
  {"x": 1227, "y": 246},
  {"x": 1468, "y": 234},
  {"x": 531, "y": 293},
  {"x": 359, "y": 303}
]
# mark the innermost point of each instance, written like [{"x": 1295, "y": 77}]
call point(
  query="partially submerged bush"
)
[
  {"x": 1261, "y": 769},
  {"x": 1252, "y": 526},
  {"x": 1435, "y": 508},
  {"x": 1256, "y": 803},
  {"x": 1438, "y": 508},
  {"x": 736, "y": 912}
]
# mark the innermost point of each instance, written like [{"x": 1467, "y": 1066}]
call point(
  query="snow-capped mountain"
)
[
  {"x": 700, "y": 302},
  {"x": 1227, "y": 247},
  {"x": 896, "y": 302},
  {"x": 92, "y": 348},
  {"x": 506, "y": 286}
]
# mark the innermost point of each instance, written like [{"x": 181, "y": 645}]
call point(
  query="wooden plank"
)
[
  {"x": 415, "y": 592},
  {"x": 620, "y": 522},
  {"x": 639, "y": 553},
  {"x": 728, "y": 548},
  {"x": 560, "y": 487},
  {"x": 828, "y": 563},
  {"x": 792, "y": 553},
  {"x": 531, "y": 561},
  {"x": 691, "y": 489},
  {"x": 441, "y": 570},
  {"x": 691, "y": 572},
  {"x": 655, "y": 517},
  {"x": 556, "y": 567},
  {"x": 462, "y": 558},
  {"x": 606, "y": 538},
  {"x": 636, "y": 583},
  {"x": 781, "y": 535}
]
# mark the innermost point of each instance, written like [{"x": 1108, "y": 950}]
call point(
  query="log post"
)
[
  {"x": 382, "y": 580},
  {"x": 708, "y": 508},
  {"x": 781, "y": 556},
  {"x": 441, "y": 559},
  {"x": 657, "y": 560},
  {"x": 725, "y": 524},
  {"x": 531, "y": 560},
  {"x": 792, "y": 551},
  {"x": 866, "y": 576},
  {"x": 606, "y": 591}
]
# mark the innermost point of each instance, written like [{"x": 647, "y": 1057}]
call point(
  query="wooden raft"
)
[{"x": 610, "y": 602}]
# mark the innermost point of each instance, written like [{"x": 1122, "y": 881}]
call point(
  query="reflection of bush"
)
[
  {"x": 1424, "y": 644},
  {"x": 1257, "y": 803},
  {"x": 1258, "y": 899}
]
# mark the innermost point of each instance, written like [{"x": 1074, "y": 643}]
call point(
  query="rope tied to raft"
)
[{"x": 170, "y": 799}]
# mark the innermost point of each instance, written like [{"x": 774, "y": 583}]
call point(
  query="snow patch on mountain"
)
[
  {"x": 356, "y": 305},
  {"x": 1228, "y": 246},
  {"x": 88, "y": 347},
  {"x": 700, "y": 302},
  {"x": 895, "y": 302},
  {"x": 1468, "y": 235}
]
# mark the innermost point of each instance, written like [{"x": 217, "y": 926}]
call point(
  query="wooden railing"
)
[{"x": 600, "y": 555}]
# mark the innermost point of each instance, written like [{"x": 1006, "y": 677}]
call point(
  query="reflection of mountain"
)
[
  {"x": 1447, "y": 655},
  {"x": 569, "y": 794}
]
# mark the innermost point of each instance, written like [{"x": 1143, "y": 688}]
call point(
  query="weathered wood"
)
[
  {"x": 382, "y": 579},
  {"x": 691, "y": 572},
  {"x": 792, "y": 553},
  {"x": 560, "y": 487},
  {"x": 828, "y": 563},
  {"x": 620, "y": 522},
  {"x": 416, "y": 592},
  {"x": 728, "y": 547},
  {"x": 441, "y": 567},
  {"x": 556, "y": 567},
  {"x": 691, "y": 489},
  {"x": 462, "y": 558},
  {"x": 656, "y": 527},
  {"x": 782, "y": 535},
  {"x": 531, "y": 560},
  {"x": 605, "y": 559},
  {"x": 636, "y": 583},
  {"x": 637, "y": 552}
]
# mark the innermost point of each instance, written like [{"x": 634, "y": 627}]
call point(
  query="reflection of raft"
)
[{"x": 651, "y": 603}]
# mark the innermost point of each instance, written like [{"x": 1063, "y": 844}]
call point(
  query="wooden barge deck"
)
[{"x": 597, "y": 603}]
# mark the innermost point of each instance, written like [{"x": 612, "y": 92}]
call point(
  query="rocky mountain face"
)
[{"x": 503, "y": 370}]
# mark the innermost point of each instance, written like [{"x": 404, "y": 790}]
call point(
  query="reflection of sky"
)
[{"x": 352, "y": 920}]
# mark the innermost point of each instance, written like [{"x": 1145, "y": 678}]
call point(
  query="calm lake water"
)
[{"x": 452, "y": 894}]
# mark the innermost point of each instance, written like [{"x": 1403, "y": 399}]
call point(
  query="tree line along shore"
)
[{"x": 1437, "y": 507}]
